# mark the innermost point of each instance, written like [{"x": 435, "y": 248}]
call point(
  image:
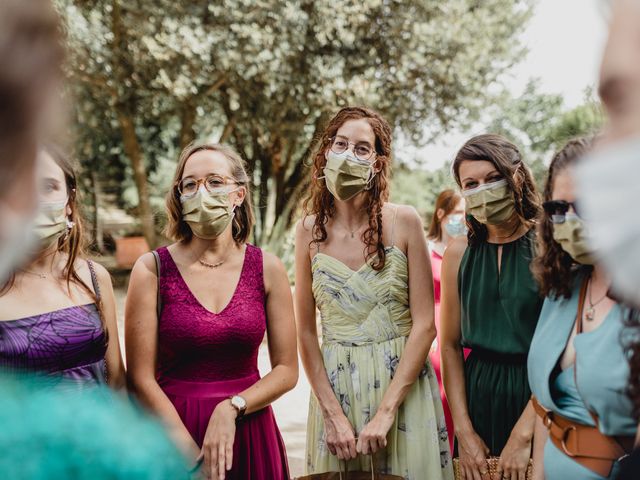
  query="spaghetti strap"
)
[
  {"x": 393, "y": 227},
  {"x": 94, "y": 280}
]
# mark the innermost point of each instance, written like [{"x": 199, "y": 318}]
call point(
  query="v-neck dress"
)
[
  {"x": 206, "y": 357},
  {"x": 499, "y": 313},
  {"x": 365, "y": 324}
]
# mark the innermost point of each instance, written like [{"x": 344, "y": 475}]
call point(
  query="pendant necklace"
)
[
  {"x": 351, "y": 232},
  {"x": 591, "y": 311}
]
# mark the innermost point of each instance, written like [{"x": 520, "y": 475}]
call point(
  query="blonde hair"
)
[{"x": 177, "y": 229}]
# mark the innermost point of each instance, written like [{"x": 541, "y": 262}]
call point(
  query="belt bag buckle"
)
[{"x": 565, "y": 437}]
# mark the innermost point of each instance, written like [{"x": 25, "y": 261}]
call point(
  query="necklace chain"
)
[
  {"x": 351, "y": 232},
  {"x": 591, "y": 311},
  {"x": 42, "y": 275}
]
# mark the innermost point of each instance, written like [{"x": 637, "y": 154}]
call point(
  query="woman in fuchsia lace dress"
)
[{"x": 195, "y": 363}]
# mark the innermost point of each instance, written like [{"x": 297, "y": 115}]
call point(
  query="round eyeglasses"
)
[
  {"x": 362, "y": 150},
  {"x": 189, "y": 186}
]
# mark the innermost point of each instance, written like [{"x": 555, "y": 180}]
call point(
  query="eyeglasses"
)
[
  {"x": 362, "y": 150},
  {"x": 557, "y": 210},
  {"x": 213, "y": 183}
]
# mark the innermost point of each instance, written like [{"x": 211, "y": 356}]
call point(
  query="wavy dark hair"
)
[
  {"x": 631, "y": 341},
  {"x": 320, "y": 201},
  {"x": 553, "y": 268},
  {"x": 507, "y": 159}
]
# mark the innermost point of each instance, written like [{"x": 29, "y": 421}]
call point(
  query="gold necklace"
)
[
  {"x": 591, "y": 311},
  {"x": 43, "y": 276},
  {"x": 211, "y": 265}
]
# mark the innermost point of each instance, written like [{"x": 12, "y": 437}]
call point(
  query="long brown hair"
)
[
  {"x": 447, "y": 202},
  {"x": 553, "y": 268},
  {"x": 177, "y": 229},
  {"x": 71, "y": 243},
  {"x": 507, "y": 159},
  {"x": 321, "y": 202}
]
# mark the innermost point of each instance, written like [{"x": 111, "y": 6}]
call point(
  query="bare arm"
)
[
  {"x": 472, "y": 449},
  {"x": 141, "y": 331},
  {"x": 281, "y": 335},
  {"x": 539, "y": 439},
  {"x": 113, "y": 356},
  {"x": 450, "y": 335},
  {"x": 339, "y": 432},
  {"x": 423, "y": 332}
]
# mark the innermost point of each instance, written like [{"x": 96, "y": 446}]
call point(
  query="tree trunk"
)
[
  {"x": 187, "y": 122},
  {"x": 134, "y": 152}
]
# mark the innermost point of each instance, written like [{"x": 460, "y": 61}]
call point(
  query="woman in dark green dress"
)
[{"x": 490, "y": 303}]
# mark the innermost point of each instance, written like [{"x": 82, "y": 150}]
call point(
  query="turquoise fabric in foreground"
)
[{"x": 49, "y": 433}]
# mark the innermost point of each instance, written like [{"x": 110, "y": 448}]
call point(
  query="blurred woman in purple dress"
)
[
  {"x": 196, "y": 315},
  {"x": 57, "y": 314}
]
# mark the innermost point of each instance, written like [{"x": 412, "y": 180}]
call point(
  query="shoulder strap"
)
[
  {"x": 94, "y": 280},
  {"x": 156, "y": 257},
  {"x": 393, "y": 227}
]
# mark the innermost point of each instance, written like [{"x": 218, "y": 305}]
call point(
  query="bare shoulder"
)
[
  {"x": 455, "y": 250},
  {"x": 405, "y": 215},
  {"x": 272, "y": 264},
  {"x": 304, "y": 229}
]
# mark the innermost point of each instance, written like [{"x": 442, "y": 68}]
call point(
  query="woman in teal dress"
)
[
  {"x": 374, "y": 389},
  {"x": 490, "y": 304},
  {"x": 577, "y": 365}
]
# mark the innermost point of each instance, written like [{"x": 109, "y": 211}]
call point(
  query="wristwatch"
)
[{"x": 239, "y": 403}]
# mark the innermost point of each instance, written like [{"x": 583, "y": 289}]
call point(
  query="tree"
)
[
  {"x": 266, "y": 75},
  {"x": 540, "y": 123}
]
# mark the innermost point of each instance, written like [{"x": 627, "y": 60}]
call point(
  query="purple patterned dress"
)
[
  {"x": 65, "y": 345},
  {"x": 205, "y": 357}
]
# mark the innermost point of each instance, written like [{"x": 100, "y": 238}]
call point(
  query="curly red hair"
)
[{"x": 321, "y": 202}]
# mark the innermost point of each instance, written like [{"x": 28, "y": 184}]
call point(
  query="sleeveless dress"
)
[
  {"x": 205, "y": 357},
  {"x": 601, "y": 370},
  {"x": 499, "y": 313},
  {"x": 365, "y": 324},
  {"x": 65, "y": 346}
]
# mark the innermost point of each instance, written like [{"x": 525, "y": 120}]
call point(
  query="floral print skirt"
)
[{"x": 417, "y": 443}]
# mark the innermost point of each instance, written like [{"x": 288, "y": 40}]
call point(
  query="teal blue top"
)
[
  {"x": 567, "y": 398},
  {"x": 602, "y": 366}
]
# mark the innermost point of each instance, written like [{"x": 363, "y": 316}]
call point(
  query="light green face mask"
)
[
  {"x": 208, "y": 214},
  {"x": 50, "y": 222},
  {"x": 571, "y": 236},
  {"x": 346, "y": 176},
  {"x": 491, "y": 203}
]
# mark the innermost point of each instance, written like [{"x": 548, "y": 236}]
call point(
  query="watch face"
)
[{"x": 238, "y": 402}]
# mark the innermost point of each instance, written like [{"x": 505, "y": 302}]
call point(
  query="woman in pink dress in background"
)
[
  {"x": 447, "y": 223},
  {"x": 195, "y": 362}
]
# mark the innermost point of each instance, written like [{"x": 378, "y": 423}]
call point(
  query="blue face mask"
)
[{"x": 455, "y": 225}]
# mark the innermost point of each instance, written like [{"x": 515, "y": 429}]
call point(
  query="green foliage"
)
[
  {"x": 540, "y": 124},
  {"x": 265, "y": 76},
  {"x": 420, "y": 188}
]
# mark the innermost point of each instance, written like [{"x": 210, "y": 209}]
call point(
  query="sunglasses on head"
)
[{"x": 557, "y": 209}]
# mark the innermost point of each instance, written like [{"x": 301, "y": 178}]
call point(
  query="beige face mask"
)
[
  {"x": 572, "y": 238},
  {"x": 208, "y": 214},
  {"x": 51, "y": 222},
  {"x": 491, "y": 203},
  {"x": 346, "y": 176}
]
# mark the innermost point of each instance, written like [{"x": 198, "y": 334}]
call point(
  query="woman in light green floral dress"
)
[{"x": 364, "y": 264}]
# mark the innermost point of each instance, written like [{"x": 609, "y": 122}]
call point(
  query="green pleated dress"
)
[
  {"x": 365, "y": 324},
  {"x": 499, "y": 313}
]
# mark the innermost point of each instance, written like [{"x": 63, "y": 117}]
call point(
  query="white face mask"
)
[
  {"x": 608, "y": 192},
  {"x": 17, "y": 240}
]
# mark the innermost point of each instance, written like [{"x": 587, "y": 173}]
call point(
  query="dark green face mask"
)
[{"x": 491, "y": 203}]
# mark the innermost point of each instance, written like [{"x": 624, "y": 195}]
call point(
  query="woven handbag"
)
[
  {"x": 492, "y": 467},
  {"x": 345, "y": 474}
]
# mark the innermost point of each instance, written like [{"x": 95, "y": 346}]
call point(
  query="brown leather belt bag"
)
[{"x": 585, "y": 444}]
